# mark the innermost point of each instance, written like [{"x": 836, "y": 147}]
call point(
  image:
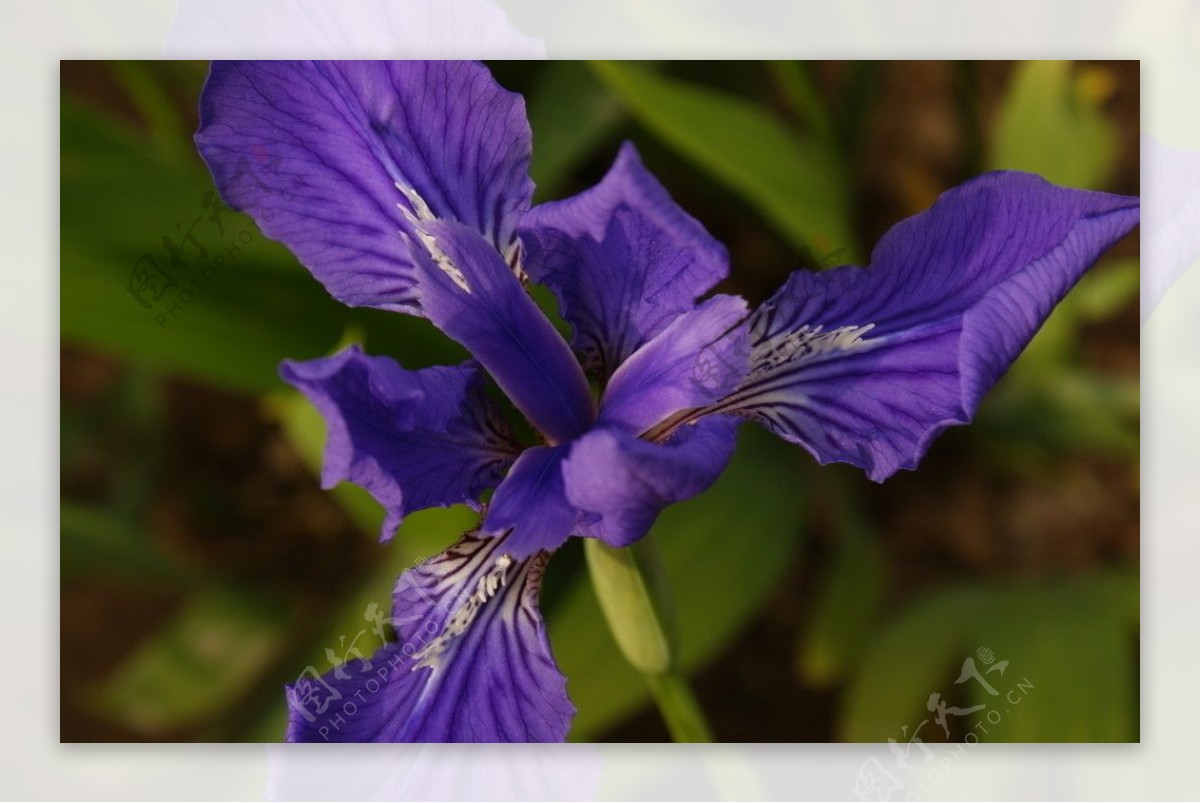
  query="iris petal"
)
[
  {"x": 867, "y": 365},
  {"x": 701, "y": 356},
  {"x": 623, "y": 259},
  {"x": 626, "y": 481},
  {"x": 471, "y": 662},
  {"x": 413, "y": 439},
  {"x": 471, "y": 295},
  {"x": 531, "y": 503},
  {"x": 335, "y": 159}
]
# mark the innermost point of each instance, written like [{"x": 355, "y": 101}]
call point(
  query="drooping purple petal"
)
[
  {"x": 531, "y": 503},
  {"x": 701, "y": 356},
  {"x": 471, "y": 662},
  {"x": 627, "y": 481},
  {"x": 335, "y": 159},
  {"x": 413, "y": 439},
  {"x": 622, "y": 258},
  {"x": 471, "y": 295},
  {"x": 867, "y": 365}
]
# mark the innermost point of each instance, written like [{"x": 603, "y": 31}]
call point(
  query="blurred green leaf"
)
[
  {"x": 1050, "y": 122},
  {"x": 798, "y": 184},
  {"x": 795, "y": 84},
  {"x": 1073, "y": 641},
  {"x": 237, "y": 324},
  {"x": 97, "y": 543},
  {"x": 571, "y": 114},
  {"x": 229, "y": 325},
  {"x": 200, "y": 665},
  {"x": 846, "y": 607},
  {"x": 722, "y": 559},
  {"x": 1103, "y": 292},
  {"x": 907, "y": 662},
  {"x": 1078, "y": 411},
  {"x": 142, "y": 83},
  {"x": 1072, "y": 652}
]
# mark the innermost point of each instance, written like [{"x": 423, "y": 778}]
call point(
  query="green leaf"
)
[
  {"x": 1071, "y": 649},
  {"x": 846, "y": 607},
  {"x": 798, "y": 184},
  {"x": 570, "y": 114},
  {"x": 1051, "y": 123},
  {"x": 200, "y": 665},
  {"x": 144, "y": 89},
  {"x": 98, "y": 543},
  {"x": 234, "y": 314},
  {"x": 1072, "y": 672},
  {"x": 722, "y": 559},
  {"x": 233, "y": 326},
  {"x": 1103, "y": 292},
  {"x": 795, "y": 84},
  {"x": 906, "y": 663},
  {"x": 1077, "y": 411}
]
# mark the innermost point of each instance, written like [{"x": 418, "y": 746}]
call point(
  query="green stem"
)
[
  {"x": 631, "y": 588},
  {"x": 679, "y": 708}
]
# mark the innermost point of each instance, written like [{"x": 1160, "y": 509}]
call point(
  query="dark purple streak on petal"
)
[
  {"x": 335, "y": 159},
  {"x": 471, "y": 662},
  {"x": 867, "y": 365},
  {"x": 623, "y": 259},
  {"x": 700, "y": 357}
]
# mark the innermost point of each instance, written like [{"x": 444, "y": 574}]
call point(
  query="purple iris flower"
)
[{"x": 404, "y": 186}]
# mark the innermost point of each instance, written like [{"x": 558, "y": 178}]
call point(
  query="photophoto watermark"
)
[
  {"x": 914, "y": 768},
  {"x": 165, "y": 280},
  {"x": 431, "y": 613},
  {"x": 313, "y": 697}
]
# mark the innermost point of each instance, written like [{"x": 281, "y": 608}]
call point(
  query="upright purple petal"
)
[
  {"x": 627, "y": 481},
  {"x": 413, "y": 439},
  {"x": 867, "y": 365},
  {"x": 469, "y": 293},
  {"x": 701, "y": 356},
  {"x": 471, "y": 662},
  {"x": 623, "y": 260},
  {"x": 531, "y": 505},
  {"x": 335, "y": 159}
]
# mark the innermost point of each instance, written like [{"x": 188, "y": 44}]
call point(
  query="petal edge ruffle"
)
[
  {"x": 868, "y": 365},
  {"x": 623, "y": 259},
  {"x": 336, "y": 159},
  {"x": 413, "y": 439}
]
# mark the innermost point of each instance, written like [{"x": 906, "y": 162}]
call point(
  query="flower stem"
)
[
  {"x": 631, "y": 587},
  {"x": 679, "y": 708}
]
